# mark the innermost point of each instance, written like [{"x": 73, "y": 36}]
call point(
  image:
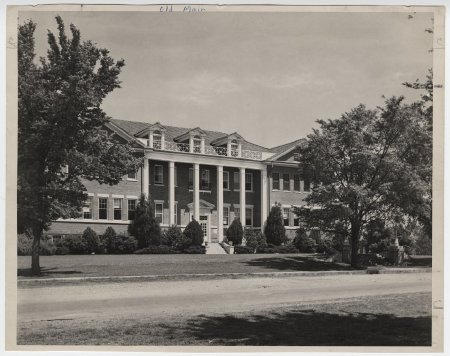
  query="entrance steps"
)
[{"x": 215, "y": 249}]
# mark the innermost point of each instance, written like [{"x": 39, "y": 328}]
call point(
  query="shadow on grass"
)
[
  {"x": 26, "y": 272},
  {"x": 297, "y": 263},
  {"x": 308, "y": 328}
]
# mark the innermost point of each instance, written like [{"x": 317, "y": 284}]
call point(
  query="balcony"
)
[{"x": 208, "y": 150}]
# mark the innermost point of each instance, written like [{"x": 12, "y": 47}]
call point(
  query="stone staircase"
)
[{"x": 215, "y": 249}]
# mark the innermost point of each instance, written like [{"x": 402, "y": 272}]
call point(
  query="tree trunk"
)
[
  {"x": 35, "y": 267},
  {"x": 354, "y": 243}
]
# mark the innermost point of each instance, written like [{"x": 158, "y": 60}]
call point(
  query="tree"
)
[
  {"x": 274, "y": 230},
  {"x": 194, "y": 233},
  {"x": 145, "y": 228},
  {"x": 235, "y": 232},
  {"x": 366, "y": 165},
  {"x": 91, "y": 240},
  {"x": 60, "y": 122}
]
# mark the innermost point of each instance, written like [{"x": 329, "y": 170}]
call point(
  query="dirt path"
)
[{"x": 137, "y": 300}]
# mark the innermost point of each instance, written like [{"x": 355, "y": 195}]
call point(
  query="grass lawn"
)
[
  {"x": 139, "y": 265},
  {"x": 393, "y": 320}
]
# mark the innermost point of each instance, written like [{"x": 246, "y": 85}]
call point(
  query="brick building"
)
[{"x": 195, "y": 173}]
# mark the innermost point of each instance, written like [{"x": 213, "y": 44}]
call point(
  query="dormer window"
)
[
  {"x": 157, "y": 140},
  {"x": 197, "y": 142},
  {"x": 234, "y": 148}
]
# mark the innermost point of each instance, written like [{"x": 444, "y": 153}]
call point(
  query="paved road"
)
[{"x": 135, "y": 300}]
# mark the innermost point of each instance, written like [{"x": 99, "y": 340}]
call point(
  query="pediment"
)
[
  {"x": 153, "y": 127},
  {"x": 197, "y": 131},
  {"x": 203, "y": 205},
  {"x": 224, "y": 139}
]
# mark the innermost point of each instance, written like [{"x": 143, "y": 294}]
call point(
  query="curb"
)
[{"x": 40, "y": 282}]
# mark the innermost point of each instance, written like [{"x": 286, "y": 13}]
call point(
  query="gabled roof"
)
[
  {"x": 224, "y": 139},
  {"x": 135, "y": 127},
  {"x": 154, "y": 127},
  {"x": 194, "y": 131},
  {"x": 286, "y": 148}
]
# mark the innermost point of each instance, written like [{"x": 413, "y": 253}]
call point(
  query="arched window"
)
[{"x": 157, "y": 140}]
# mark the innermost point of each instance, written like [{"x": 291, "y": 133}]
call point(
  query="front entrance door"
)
[{"x": 204, "y": 223}]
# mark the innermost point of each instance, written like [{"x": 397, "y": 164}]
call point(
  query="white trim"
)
[
  {"x": 94, "y": 221},
  {"x": 102, "y": 195},
  {"x": 132, "y": 197},
  {"x": 90, "y": 194},
  {"x": 131, "y": 180},
  {"x": 246, "y": 205},
  {"x": 118, "y": 196}
]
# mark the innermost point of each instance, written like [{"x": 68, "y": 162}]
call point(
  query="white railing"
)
[{"x": 209, "y": 150}]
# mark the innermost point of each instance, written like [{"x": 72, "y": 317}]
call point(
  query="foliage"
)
[
  {"x": 244, "y": 249},
  {"x": 90, "y": 239},
  {"x": 288, "y": 248},
  {"x": 303, "y": 242},
  {"x": 118, "y": 244},
  {"x": 76, "y": 244},
  {"x": 235, "y": 232},
  {"x": 195, "y": 249},
  {"x": 274, "y": 230},
  {"x": 24, "y": 245},
  {"x": 181, "y": 243},
  {"x": 172, "y": 234},
  {"x": 366, "y": 165},
  {"x": 254, "y": 239},
  {"x": 155, "y": 250},
  {"x": 60, "y": 122},
  {"x": 423, "y": 245},
  {"x": 194, "y": 233},
  {"x": 145, "y": 228}
]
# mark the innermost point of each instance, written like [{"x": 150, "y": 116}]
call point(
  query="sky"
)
[{"x": 267, "y": 76}]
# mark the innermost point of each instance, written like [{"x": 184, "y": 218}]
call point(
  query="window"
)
[
  {"x": 276, "y": 181},
  {"x": 249, "y": 182},
  {"x": 234, "y": 148},
  {"x": 236, "y": 180},
  {"x": 157, "y": 140},
  {"x": 131, "y": 209},
  {"x": 159, "y": 177},
  {"x": 248, "y": 216},
  {"x": 103, "y": 208},
  {"x": 296, "y": 182},
  {"x": 117, "y": 209},
  {"x": 87, "y": 209},
  {"x": 286, "y": 182},
  {"x": 204, "y": 180},
  {"x": 306, "y": 185},
  {"x": 286, "y": 216},
  {"x": 132, "y": 176},
  {"x": 296, "y": 220},
  {"x": 159, "y": 212},
  {"x": 226, "y": 215},
  {"x": 237, "y": 213},
  {"x": 226, "y": 180},
  {"x": 191, "y": 178},
  {"x": 197, "y": 144}
]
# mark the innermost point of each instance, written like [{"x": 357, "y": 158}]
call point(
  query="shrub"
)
[
  {"x": 254, "y": 239},
  {"x": 423, "y": 245},
  {"x": 181, "y": 243},
  {"x": 267, "y": 249},
  {"x": 122, "y": 244},
  {"x": 62, "y": 250},
  {"x": 145, "y": 228},
  {"x": 235, "y": 232},
  {"x": 109, "y": 237},
  {"x": 172, "y": 234},
  {"x": 194, "y": 233},
  {"x": 289, "y": 248},
  {"x": 244, "y": 249},
  {"x": 75, "y": 244},
  {"x": 90, "y": 238},
  {"x": 47, "y": 248},
  {"x": 24, "y": 245},
  {"x": 195, "y": 249},
  {"x": 274, "y": 230},
  {"x": 155, "y": 250},
  {"x": 303, "y": 242}
]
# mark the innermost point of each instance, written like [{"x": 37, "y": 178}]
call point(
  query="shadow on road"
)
[
  {"x": 26, "y": 272},
  {"x": 310, "y": 328},
  {"x": 297, "y": 263}
]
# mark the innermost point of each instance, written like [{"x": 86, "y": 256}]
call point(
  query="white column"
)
[
  {"x": 220, "y": 203},
  {"x": 171, "y": 193},
  {"x": 163, "y": 140},
  {"x": 145, "y": 174},
  {"x": 242, "y": 195},
  {"x": 196, "y": 191},
  {"x": 191, "y": 144},
  {"x": 150, "y": 139},
  {"x": 202, "y": 145},
  {"x": 263, "y": 197},
  {"x": 239, "y": 149},
  {"x": 229, "y": 148}
]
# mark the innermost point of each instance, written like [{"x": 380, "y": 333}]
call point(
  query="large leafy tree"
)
[
  {"x": 60, "y": 123},
  {"x": 367, "y": 165}
]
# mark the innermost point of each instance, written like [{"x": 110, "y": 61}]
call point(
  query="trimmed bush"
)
[
  {"x": 267, "y": 249},
  {"x": 235, "y": 232},
  {"x": 194, "y": 233},
  {"x": 181, "y": 243},
  {"x": 145, "y": 228},
  {"x": 90, "y": 238},
  {"x": 47, "y": 248},
  {"x": 290, "y": 248},
  {"x": 244, "y": 250},
  {"x": 303, "y": 242},
  {"x": 172, "y": 234},
  {"x": 423, "y": 245},
  {"x": 195, "y": 249},
  {"x": 75, "y": 244},
  {"x": 274, "y": 230},
  {"x": 155, "y": 250},
  {"x": 24, "y": 245}
]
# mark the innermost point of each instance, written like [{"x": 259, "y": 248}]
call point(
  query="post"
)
[
  {"x": 145, "y": 174},
  {"x": 196, "y": 191},
  {"x": 202, "y": 145},
  {"x": 150, "y": 139},
  {"x": 229, "y": 148},
  {"x": 242, "y": 195},
  {"x": 220, "y": 203},
  {"x": 263, "y": 197},
  {"x": 191, "y": 144},
  {"x": 240, "y": 149},
  {"x": 171, "y": 193}
]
